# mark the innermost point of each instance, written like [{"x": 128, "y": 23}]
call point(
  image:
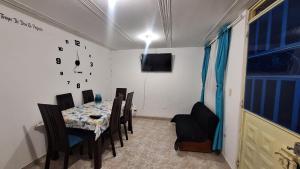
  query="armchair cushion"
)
[{"x": 188, "y": 130}]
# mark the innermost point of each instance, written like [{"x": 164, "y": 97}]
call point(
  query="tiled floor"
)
[{"x": 150, "y": 147}]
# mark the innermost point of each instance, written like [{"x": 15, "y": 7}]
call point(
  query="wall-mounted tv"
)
[{"x": 157, "y": 62}]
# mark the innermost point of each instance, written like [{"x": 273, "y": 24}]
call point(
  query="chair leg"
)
[
  {"x": 130, "y": 123},
  {"x": 48, "y": 156},
  {"x": 90, "y": 150},
  {"x": 55, "y": 155},
  {"x": 66, "y": 160},
  {"x": 120, "y": 137},
  {"x": 112, "y": 144},
  {"x": 81, "y": 149},
  {"x": 125, "y": 128}
]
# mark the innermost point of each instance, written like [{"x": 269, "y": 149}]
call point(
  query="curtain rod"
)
[{"x": 237, "y": 20}]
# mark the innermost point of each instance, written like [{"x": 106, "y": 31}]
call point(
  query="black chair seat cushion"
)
[
  {"x": 187, "y": 129},
  {"x": 74, "y": 140},
  {"x": 84, "y": 134}
]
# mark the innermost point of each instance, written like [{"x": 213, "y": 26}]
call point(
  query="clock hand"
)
[
  {"x": 77, "y": 61},
  {"x": 74, "y": 69},
  {"x": 77, "y": 56}
]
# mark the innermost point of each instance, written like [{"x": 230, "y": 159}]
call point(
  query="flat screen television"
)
[{"x": 157, "y": 62}]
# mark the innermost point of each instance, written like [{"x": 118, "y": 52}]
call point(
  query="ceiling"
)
[{"x": 191, "y": 22}]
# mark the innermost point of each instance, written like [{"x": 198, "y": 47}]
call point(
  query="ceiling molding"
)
[
  {"x": 165, "y": 8},
  {"x": 206, "y": 38},
  {"x": 96, "y": 9},
  {"x": 47, "y": 19},
  {"x": 226, "y": 19}
]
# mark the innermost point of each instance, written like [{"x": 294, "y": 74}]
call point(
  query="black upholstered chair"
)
[
  {"x": 114, "y": 124},
  {"x": 57, "y": 135},
  {"x": 65, "y": 101},
  {"x": 127, "y": 112},
  {"x": 88, "y": 96},
  {"x": 195, "y": 131},
  {"x": 121, "y": 91}
]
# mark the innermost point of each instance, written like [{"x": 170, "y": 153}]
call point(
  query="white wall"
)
[
  {"x": 233, "y": 93},
  {"x": 211, "y": 84},
  {"x": 29, "y": 75},
  {"x": 160, "y": 94}
]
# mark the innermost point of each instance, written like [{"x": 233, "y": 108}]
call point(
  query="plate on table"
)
[{"x": 95, "y": 116}]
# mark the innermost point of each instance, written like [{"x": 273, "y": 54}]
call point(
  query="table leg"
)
[{"x": 97, "y": 153}]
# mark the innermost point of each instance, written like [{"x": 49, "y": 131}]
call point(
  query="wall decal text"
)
[{"x": 20, "y": 22}]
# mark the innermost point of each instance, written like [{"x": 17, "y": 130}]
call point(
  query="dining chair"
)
[
  {"x": 114, "y": 124},
  {"x": 65, "y": 101},
  {"x": 121, "y": 91},
  {"x": 127, "y": 112},
  {"x": 59, "y": 140},
  {"x": 88, "y": 96}
]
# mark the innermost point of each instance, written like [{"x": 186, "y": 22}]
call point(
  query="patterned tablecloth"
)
[{"x": 79, "y": 117}]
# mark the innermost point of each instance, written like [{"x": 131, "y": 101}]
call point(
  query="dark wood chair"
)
[
  {"x": 88, "y": 96},
  {"x": 59, "y": 140},
  {"x": 114, "y": 124},
  {"x": 121, "y": 91},
  {"x": 127, "y": 112},
  {"x": 65, "y": 101}
]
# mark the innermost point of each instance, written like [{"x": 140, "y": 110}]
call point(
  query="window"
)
[{"x": 262, "y": 7}]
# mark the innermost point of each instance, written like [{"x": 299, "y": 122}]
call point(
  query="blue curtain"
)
[
  {"x": 204, "y": 70},
  {"x": 220, "y": 67}
]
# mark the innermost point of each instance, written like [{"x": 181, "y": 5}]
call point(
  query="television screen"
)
[{"x": 158, "y": 62}]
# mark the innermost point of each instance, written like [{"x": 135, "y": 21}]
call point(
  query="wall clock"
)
[{"x": 75, "y": 63}]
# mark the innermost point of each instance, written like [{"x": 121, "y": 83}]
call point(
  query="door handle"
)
[{"x": 296, "y": 149}]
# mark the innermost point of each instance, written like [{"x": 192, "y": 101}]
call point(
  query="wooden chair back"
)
[
  {"x": 55, "y": 127},
  {"x": 127, "y": 107},
  {"x": 121, "y": 91},
  {"x": 65, "y": 101},
  {"x": 88, "y": 96},
  {"x": 114, "y": 122}
]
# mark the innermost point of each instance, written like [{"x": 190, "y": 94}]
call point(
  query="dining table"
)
[{"x": 79, "y": 117}]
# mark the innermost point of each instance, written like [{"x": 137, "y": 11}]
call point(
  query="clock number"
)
[
  {"x": 78, "y": 85},
  {"x": 58, "y": 61},
  {"x": 67, "y": 41},
  {"x": 61, "y": 73},
  {"x": 86, "y": 80},
  {"x": 85, "y": 47},
  {"x": 90, "y": 56},
  {"x": 68, "y": 82},
  {"x": 60, "y": 48},
  {"x": 92, "y": 64},
  {"x": 90, "y": 73},
  {"x": 77, "y": 43}
]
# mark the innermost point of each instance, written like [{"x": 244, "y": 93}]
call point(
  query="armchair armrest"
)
[{"x": 180, "y": 116}]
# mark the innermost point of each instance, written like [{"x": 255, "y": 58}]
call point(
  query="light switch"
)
[{"x": 230, "y": 92}]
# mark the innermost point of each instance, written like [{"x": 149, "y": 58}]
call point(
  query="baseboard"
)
[
  {"x": 153, "y": 117},
  {"x": 35, "y": 162}
]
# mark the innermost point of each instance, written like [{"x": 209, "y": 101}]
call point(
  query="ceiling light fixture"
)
[
  {"x": 112, "y": 4},
  {"x": 148, "y": 37}
]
